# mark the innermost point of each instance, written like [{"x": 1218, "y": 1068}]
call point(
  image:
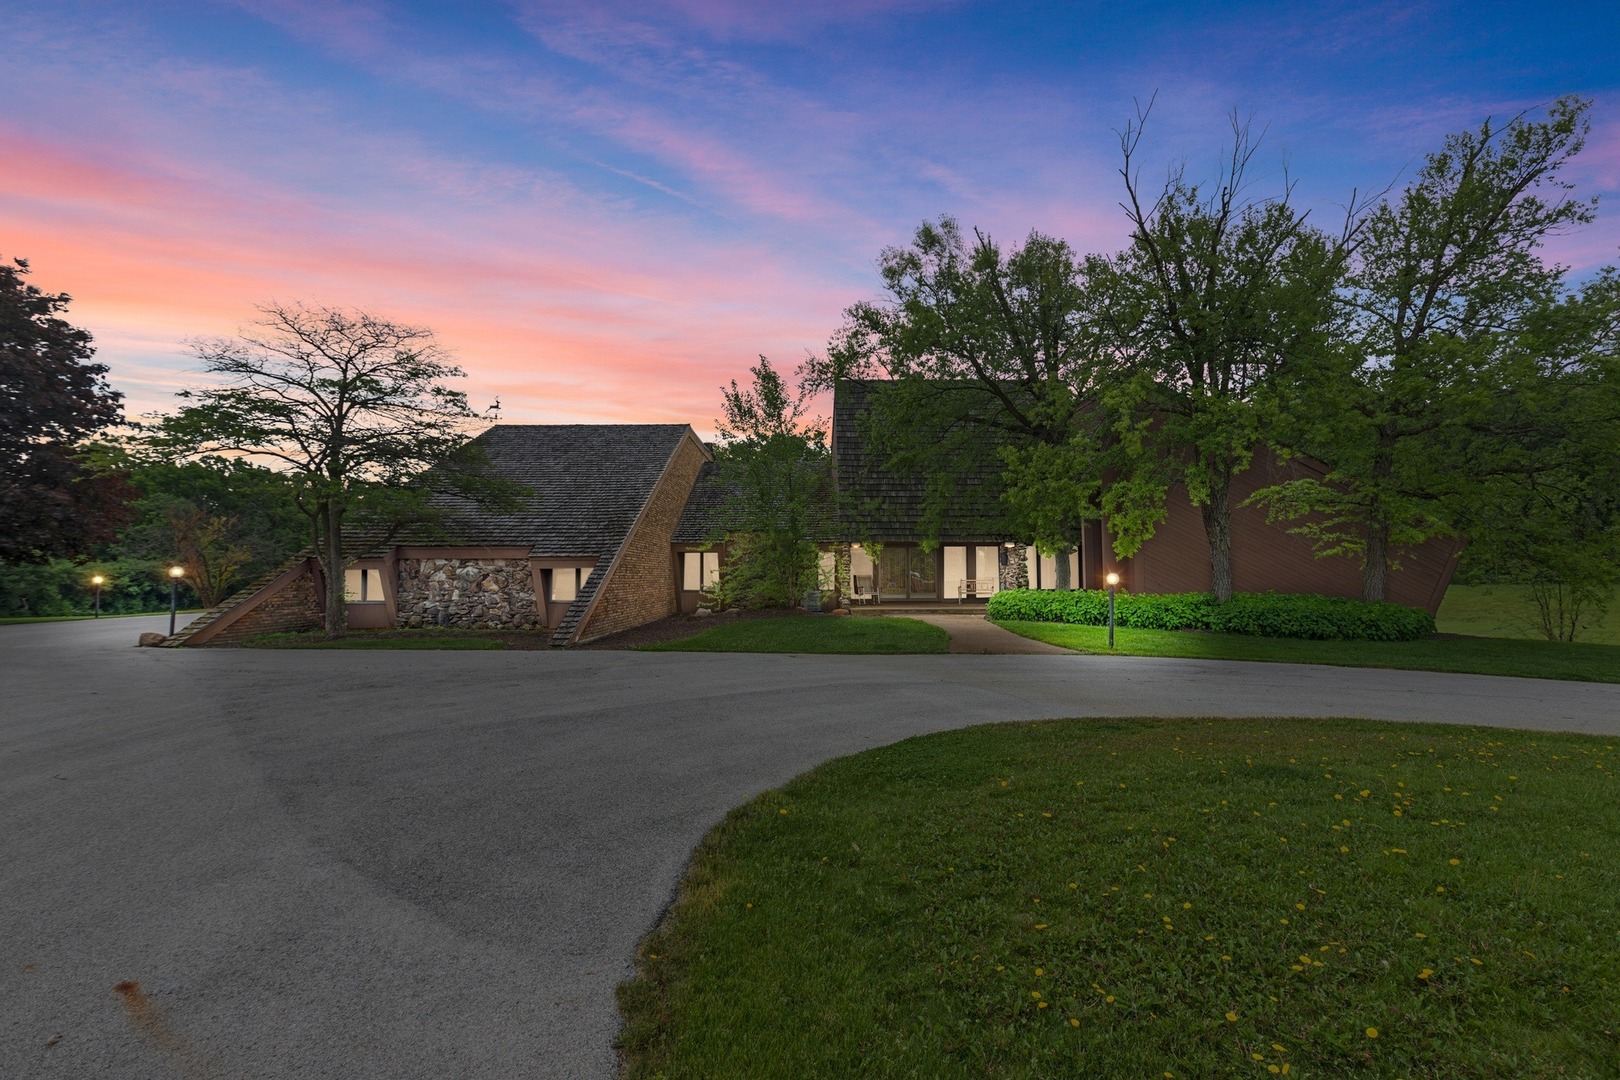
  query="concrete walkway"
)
[
  {"x": 976, "y": 634},
  {"x": 438, "y": 864}
]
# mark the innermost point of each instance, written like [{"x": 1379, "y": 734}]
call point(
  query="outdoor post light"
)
[
  {"x": 98, "y": 581},
  {"x": 175, "y": 574},
  {"x": 1113, "y": 581}
]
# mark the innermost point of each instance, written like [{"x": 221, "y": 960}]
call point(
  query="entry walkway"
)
[{"x": 976, "y": 634}]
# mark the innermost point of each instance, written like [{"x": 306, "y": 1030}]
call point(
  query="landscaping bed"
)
[{"x": 1176, "y": 898}]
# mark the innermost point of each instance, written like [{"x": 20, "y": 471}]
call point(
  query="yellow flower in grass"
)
[
  {"x": 1372, "y": 1033},
  {"x": 1231, "y": 1018}
]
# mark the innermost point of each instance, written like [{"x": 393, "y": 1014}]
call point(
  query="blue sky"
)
[{"x": 608, "y": 209}]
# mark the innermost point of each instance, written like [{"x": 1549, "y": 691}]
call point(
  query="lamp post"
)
[
  {"x": 1113, "y": 582},
  {"x": 175, "y": 574},
  {"x": 98, "y": 581}
]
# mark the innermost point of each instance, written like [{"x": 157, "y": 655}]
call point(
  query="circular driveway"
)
[{"x": 433, "y": 864}]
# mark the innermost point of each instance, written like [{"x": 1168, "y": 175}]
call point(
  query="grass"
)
[
  {"x": 813, "y": 634},
  {"x": 1507, "y": 611},
  {"x": 1482, "y": 656},
  {"x": 387, "y": 639},
  {"x": 1147, "y": 898}
]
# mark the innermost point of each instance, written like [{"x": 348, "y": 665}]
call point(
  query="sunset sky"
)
[{"x": 606, "y": 210}]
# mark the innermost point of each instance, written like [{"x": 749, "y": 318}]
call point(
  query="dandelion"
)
[
  {"x": 1073, "y": 1022},
  {"x": 1299, "y": 907},
  {"x": 1231, "y": 1018},
  {"x": 1456, "y": 862},
  {"x": 783, "y": 810},
  {"x": 1109, "y": 999},
  {"x": 1343, "y": 850},
  {"x": 1372, "y": 1033},
  {"x": 1040, "y": 926}
]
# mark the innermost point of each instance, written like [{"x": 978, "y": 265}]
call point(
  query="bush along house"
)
[{"x": 624, "y": 524}]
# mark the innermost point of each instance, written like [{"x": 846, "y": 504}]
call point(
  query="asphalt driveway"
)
[{"x": 436, "y": 864}]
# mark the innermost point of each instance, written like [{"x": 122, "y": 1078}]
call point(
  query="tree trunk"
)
[
  {"x": 1061, "y": 565},
  {"x": 336, "y": 612},
  {"x": 1218, "y": 530},
  {"x": 1375, "y": 568}
]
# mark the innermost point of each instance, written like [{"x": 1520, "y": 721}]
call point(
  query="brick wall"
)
[
  {"x": 641, "y": 587},
  {"x": 294, "y": 607}
]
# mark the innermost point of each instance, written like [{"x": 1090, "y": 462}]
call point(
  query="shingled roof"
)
[
  {"x": 879, "y": 501},
  {"x": 711, "y": 512},
  {"x": 588, "y": 482}
]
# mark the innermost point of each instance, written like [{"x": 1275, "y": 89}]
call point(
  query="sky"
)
[{"x": 608, "y": 210}]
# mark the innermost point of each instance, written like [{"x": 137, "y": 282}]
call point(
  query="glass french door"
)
[{"x": 908, "y": 573}]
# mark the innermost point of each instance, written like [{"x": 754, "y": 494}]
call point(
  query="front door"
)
[{"x": 908, "y": 573}]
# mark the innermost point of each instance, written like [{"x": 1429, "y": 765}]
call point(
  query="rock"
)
[
  {"x": 840, "y": 611},
  {"x": 703, "y": 613},
  {"x": 733, "y": 611},
  {"x": 150, "y": 639}
]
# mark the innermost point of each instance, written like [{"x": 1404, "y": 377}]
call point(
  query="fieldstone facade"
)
[
  {"x": 1015, "y": 572},
  {"x": 472, "y": 594}
]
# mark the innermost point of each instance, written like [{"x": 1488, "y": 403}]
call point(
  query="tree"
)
[
  {"x": 1544, "y": 509},
  {"x": 1437, "y": 278},
  {"x": 354, "y": 406},
  {"x": 1217, "y": 298},
  {"x": 52, "y": 399},
  {"x": 996, "y": 370},
  {"x": 773, "y": 461}
]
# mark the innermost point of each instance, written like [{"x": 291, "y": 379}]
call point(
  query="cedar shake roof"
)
[
  {"x": 710, "y": 513},
  {"x": 589, "y": 483},
  {"x": 706, "y": 517},
  {"x": 881, "y": 502}
]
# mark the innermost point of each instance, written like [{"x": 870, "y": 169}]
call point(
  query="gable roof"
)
[
  {"x": 881, "y": 501},
  {"x": 711, "y": 511},
  {"x": 588, "y": 483}
]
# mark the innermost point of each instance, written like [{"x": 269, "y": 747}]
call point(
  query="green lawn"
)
[
  {"x": 1507, "y": 611},
  {"x": 387, "y": 639},
  {"x": 1484, "y": 656},
  {"x": 1147, "y": 898},
  {"x": 813, "y": 634}
]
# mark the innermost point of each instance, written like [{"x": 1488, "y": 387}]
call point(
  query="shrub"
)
[{"x": 1305, "y": 615}]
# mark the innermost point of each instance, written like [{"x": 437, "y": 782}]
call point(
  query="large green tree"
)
[
  {"x": 1542, "y": 504},
  {"x": 990, "y": 365},
  {"x": 355, "y": 409},
  {"x": 1218, "y": 298},
  {"x": 52, "y": 399},
  {"x": 1438, "y": 278},
  {"x": 772, "y": 461}
]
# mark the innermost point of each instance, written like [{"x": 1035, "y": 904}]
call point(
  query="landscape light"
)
[
  {"x": 98, "y": 581},
  {"x": 1113, "y": 580},
  {"x": 175, "y": 574}
]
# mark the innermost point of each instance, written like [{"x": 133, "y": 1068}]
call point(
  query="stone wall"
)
[
  {"x": 641, "y": 586},
  {"x": 473, "y": 594},
  {"x": 1015, "y": 575},
  {"x": 293, "y": 608}
]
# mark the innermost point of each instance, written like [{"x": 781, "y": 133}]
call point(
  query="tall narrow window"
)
[
  {"x": 564, "y": 584},
  {"x": 699, "y": 570}
]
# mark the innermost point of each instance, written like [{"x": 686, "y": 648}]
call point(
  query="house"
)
[{"x": 624, "y": 524}]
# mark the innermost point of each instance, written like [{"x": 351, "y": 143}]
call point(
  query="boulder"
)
[
  {"x": 150, "y": 639},
  {"x": 733, "y": 611},
  {"x": 703, "y": 613},
  {"x": 840, "y": 611}
]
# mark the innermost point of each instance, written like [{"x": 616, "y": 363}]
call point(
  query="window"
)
[
  {"x": 699, "y": 570},
  {"x": 362, "y": 586},
  {"x": 564, "y": 584}
]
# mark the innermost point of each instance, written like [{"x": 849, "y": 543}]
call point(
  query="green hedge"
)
[{"x": 1304, "y": 615}]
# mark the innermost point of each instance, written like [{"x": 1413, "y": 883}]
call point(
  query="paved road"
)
[{"x": 419, "y": 864}]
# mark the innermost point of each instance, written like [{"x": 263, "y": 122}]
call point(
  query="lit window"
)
[
  {"x": 699, "y": 570},
  {"x": 362, "y": 586},
  {"x": 564, "y": 584}
]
